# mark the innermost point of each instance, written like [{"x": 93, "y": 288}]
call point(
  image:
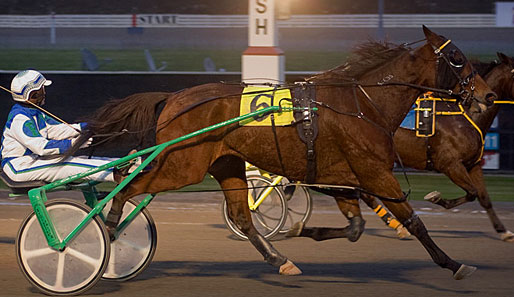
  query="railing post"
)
[
  {"x": 380, "y": 32},
  {"x": 52, "y": 28}
]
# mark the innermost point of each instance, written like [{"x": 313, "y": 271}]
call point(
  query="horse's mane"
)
[
  {"x": 363, "y": 58},
  {"x": 484, "y": 68}
]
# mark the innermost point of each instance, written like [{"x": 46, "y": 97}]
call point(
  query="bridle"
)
[{"x": 446, "y": 52}]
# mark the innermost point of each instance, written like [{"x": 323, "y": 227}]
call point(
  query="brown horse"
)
[
  {"x": 360, "y": 105},
  {"x": 456, "y": 147}
]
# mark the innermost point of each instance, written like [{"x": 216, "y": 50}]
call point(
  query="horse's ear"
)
[
  {"x": 432, "y": 38},
  {"x": 503, "y": 58}
]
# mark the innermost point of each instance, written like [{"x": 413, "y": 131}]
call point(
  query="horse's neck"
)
[
  {"x": 394, "y": 102},
  {"x": 485, "y": 119}
]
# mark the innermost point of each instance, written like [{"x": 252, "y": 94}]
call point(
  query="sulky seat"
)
[{"x": 20, "y": 187}]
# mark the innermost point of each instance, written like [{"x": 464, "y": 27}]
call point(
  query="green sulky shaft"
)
[{"x": 38, "y": 195}]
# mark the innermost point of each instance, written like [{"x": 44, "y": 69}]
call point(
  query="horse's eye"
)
[{"x": 456, "y": 58}]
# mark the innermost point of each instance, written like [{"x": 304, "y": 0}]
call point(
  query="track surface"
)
[{"x": 197, "y": 256}]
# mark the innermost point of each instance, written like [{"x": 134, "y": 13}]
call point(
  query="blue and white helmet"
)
[{"x": 25, "y": 82}]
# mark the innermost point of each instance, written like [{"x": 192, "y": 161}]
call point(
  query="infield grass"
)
[{"x": 176, "y": 60}]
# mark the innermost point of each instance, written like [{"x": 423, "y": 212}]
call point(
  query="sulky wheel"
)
[
  {"x": 269, "y": 217},
  {"x": 82, "y": 262},
  {"x": 299, "y": 205},
  {"x": 134, "y": 248}
]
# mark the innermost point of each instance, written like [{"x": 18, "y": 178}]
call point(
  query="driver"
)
[{"x": 33, "y": 142}]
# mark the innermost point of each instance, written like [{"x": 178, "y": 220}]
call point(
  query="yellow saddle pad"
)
[{"x": 259, "y": 98}]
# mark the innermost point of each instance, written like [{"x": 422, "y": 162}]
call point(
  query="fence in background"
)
[{"x": 239, "y": 21}]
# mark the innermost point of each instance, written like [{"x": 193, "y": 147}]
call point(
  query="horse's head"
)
[
  {"x": 454, "y": 72},
  {"x": 505, "y": 75}
]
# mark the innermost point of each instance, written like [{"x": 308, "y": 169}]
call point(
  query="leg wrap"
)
[
  {"x": 269, "y": 253},
  {"x": 417, "y": 228},
  {"x": 388, "y": 219}
]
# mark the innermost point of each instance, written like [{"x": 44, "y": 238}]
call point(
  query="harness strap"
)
[
  {"x": 430, "y": 164},
  {"x": 305, "y": 96},
  {"x": 468, "y": 118},
  {"x": 437, "y": 51},
  {"x": 478, "y": 130}
]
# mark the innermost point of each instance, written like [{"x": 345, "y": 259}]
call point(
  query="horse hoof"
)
[
  {"x": 433, "y": 197},
  {"x": 289, "y": 268},
  {"x": 507, "y": 236},
  {"x": 402, "y": 232},
  {"x": 464, "y": 271},
  {"x": 296, "y": 229}
]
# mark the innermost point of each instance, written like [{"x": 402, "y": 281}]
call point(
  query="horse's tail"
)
[{"x": 135, "y": 115}]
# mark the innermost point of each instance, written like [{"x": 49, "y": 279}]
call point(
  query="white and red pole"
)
[{"x": 263, "y": 61}]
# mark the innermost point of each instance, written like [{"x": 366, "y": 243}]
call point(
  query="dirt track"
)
[{"x": 197, "y": 256}]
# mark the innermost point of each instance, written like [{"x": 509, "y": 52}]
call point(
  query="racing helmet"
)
[{"x": 25, "y": 82}]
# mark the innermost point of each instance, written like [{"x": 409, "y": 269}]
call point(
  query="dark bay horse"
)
[
  {"x": 360, "y": 106},
  {"x": 456, "y": 146}
]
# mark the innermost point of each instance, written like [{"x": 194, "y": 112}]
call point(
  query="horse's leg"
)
[
  {"x": 350, "y": 208},
  {"x": 386, "y": 217},
  {"x": 162, "y": 177},
  {"x": 153, "y": 181},
  {"x": 229, "y": 171},
  {"x": 459, "y": 176},
  {"x": 383, "y": 183},
  {"x": 477, "y": 178}
]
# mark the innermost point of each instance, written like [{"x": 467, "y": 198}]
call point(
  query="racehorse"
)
[
  {"x": 456, "y": 147},
  {"x": 354, "y": 145}
]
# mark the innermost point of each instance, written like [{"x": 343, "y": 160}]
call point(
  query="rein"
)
[
  {"x": 321, "y": 186},
  {"x": 158, "y": 127},
  {"x": 464, "y": 94},
  {"x": 385, "y": 82}
]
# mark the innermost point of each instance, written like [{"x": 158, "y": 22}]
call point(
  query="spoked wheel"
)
[
  {"x": 75, "y": 269},
  {"x": 299, "y": 205},
  {"x": 271, "y": 214},
  {"x": 134, "y": 249}
]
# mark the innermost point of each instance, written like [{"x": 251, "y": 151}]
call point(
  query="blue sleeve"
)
[
  {"x": 62, "y": 145},
  {"x": 83, "y": 126},
  {"x": 26, "y": 133}
]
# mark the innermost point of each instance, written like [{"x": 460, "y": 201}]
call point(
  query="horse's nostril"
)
[{"x": 490, "y": 98}]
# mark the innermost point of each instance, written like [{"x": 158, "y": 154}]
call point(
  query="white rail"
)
[{"x": 241, "y": 21}]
